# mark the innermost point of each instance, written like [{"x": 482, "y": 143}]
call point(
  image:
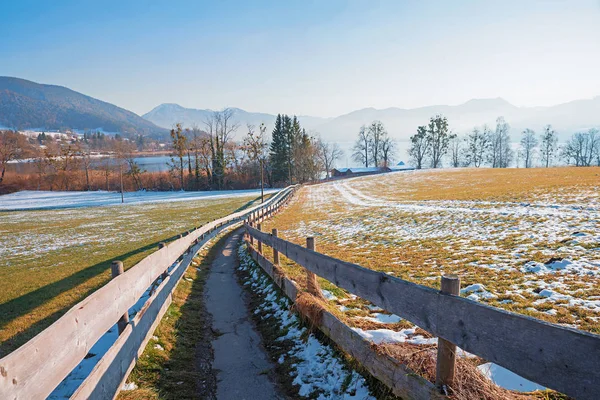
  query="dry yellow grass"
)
[
  {"x": 52, "y": 259},
  {"x": 513, "y": 184},
  {"x": 481, "y": 224},
  {"x": 491, "y": 227}
]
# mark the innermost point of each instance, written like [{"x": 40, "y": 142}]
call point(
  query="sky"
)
[{"x": 320, "y": 58}]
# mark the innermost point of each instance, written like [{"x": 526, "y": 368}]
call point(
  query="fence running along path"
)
[
  {"x": 35, "y": 369},
  {"x": 557, "y": 357}
]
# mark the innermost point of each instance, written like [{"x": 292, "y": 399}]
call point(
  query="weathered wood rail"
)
[
  {"x": 35, "y": 369},
  {"x": 564, "y": 359}
]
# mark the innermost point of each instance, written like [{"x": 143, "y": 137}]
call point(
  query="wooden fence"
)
[
  {"x": 564, "y": 359},
  {"x": 35, "y": 369}
]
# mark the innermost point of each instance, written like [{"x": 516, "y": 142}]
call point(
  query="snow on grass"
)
[
  {"x": 379, "y": 336},
  {"x": 477, "y": 292},
  {"x": 52, "y": 259},
  {"x": 70, "y": 384},
  {"x": 383, "y": 318},
  {"x": 29, "y": 200},
  {"x": 316, "y": 368},
  {"x": 507, "y": 379},
  {"x": 328, "y": 295},
  {"x": 497, "y": 228}
]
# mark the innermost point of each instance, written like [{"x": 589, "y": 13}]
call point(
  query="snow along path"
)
[{"x": 240, "y": 360}]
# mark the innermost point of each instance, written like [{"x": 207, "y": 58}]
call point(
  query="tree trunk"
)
[
  {"x": 262, "y": 183},
  {"x": 121, "y": 181},
  {"x": 181, "y": 172}
]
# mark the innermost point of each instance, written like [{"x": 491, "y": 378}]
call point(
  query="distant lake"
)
[
  {"x": 154, "y": 163},
  {"x": 149, "y": 164}
]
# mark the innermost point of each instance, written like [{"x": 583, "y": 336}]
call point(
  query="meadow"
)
[
  {"x": 525, "y": 240},
  {"x": 52, "y": 259}
]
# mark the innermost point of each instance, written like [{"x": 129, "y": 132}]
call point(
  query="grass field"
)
[
  {"x": 52, "y": 259},
  {"x": 524, "y": 240}
]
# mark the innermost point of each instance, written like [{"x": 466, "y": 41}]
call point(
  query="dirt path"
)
[{"x": 242, "y": 366}]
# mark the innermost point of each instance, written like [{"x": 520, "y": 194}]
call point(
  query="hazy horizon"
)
[{"x": 319, "y": 59}]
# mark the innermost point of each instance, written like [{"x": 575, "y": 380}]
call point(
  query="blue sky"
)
[{"x": 321, "y": 58}]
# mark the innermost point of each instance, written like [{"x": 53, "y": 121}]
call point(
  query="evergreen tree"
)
[
  {"x": 297, "y": 140},
  {"x": 278, "y": 156},
  {"x": 289, "y": 148}
]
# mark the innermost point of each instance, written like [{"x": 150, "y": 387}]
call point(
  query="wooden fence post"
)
[
  {"x": 163, "y": 276},
  {"x": 259, "y": 227},
  {"x": 275, "y": 252},
  {"x": 311, "y": 279},
  {"x": 446, "y": 355},
  {"x": 116, "y": 269}
]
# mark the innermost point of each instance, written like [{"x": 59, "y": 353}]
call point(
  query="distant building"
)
[
  {"x": 401, "y": 166},
  {"x": 358, "y": 171}
]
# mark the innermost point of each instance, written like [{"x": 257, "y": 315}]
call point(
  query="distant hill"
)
[
  {"x": 402, "y": 123},
  {"x": 168, "y": 114},
  {"x": 29, "y": 105},
  {"x": 566, "y": 118}
]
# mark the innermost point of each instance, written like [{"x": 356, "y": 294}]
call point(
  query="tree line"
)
[
  {"x": 434, "y": 142},
  {"x": 212, "y": 159},
  {"x": 200, "y": 158}
]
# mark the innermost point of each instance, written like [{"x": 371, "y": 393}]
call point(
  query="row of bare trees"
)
[{"x": 494, "y": 148}]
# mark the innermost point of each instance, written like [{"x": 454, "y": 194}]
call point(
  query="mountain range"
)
[
  {"x": 566, "y": 118},
  {"x": 29, "y": 105}
]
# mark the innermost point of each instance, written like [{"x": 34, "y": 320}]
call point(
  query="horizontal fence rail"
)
[
  {"x": 402, "y": 381},
  {"x": 35, "y": 369},
  {"x": 557, "y": 357}
]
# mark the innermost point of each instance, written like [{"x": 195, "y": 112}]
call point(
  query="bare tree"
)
[
  {"x": 419, "y": 147},
  {"x": 500, "y": 153},
  {"x": 477, "y": 146},
  {"x": 194, "y": 144},
  {"x": 362, "y": 147},
  {"x": 387, "y": 149},
  {"x": 13, "y": 146},
  {"x": 549, "y": 141},
  {"x": 179, "y": 143},
  {"x": 528, "y": 144},
  {"x": 85, "y": 157},
  {"x": 582, "y": 148},
  {"x": 39, "y": 163},
  {"x": 220, "y": 128},
  {"x": 126, "y": 164},
  {"x": 329, "y": 153},
  {"x": 438, "y": 137},
  {"x": 456, "y": 150},
  {"x": 256, "y": 147},
  {"x": 377, "y": 134},
  {"x": 63, "y": 158}
]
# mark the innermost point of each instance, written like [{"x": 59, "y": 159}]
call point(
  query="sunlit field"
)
[
  {"x": 52, "y": 259},
  {"x": 527, "y": 241}
]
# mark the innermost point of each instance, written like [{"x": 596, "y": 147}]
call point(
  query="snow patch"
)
[
  {"x": 317, "y": 370},
  {"x": 507, "y": 379}
]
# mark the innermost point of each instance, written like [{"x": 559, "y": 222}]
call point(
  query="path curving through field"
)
[{"x": 243, "y": 368}]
